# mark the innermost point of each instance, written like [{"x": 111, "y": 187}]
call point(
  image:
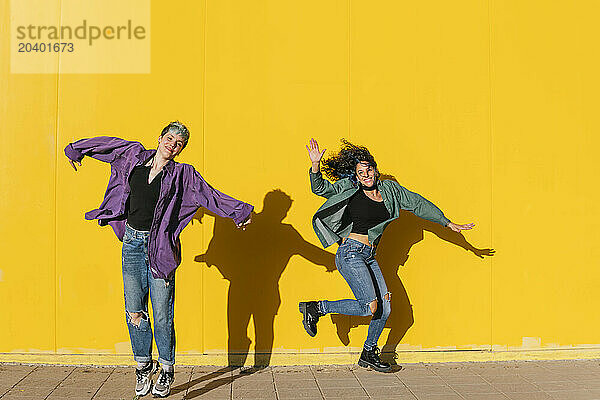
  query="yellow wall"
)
[{"x": 488, "y": 108}]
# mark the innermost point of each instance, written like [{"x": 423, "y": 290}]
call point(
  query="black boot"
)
[
  {"x": 370, "y": 358},
  {"x": 311, "y": 313}
]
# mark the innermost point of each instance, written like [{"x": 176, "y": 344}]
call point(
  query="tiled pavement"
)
[{"x": 517, "y": 380}]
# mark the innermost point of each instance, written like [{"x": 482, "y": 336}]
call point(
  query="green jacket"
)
[{"x": 331, "y": 225}]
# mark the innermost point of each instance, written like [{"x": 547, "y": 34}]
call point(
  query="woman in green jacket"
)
[{"x": 358, "y": 208}]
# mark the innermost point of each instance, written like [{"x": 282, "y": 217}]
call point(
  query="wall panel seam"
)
[
  {"x": 56, "y": 153},
  {"x": 491, "y": 171}
]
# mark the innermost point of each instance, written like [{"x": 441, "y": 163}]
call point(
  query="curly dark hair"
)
[{"x": 343, "y": 164}]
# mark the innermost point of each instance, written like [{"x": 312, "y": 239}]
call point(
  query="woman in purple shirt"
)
[{"x": 150, "y": 198}]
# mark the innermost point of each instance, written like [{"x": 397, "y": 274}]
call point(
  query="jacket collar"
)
[{"x": 146, "y": 155}]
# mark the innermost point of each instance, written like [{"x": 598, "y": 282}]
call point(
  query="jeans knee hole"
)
[
  {"x": 137, "y": 319},
  {"x": 373, "y": 307}
]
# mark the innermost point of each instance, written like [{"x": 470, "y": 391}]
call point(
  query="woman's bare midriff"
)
[{"x": 358, "y": 237}]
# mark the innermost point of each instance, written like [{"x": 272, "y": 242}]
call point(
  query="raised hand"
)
[
  {"x": 458, "y": 228},
  {"x": 314, "y": 153}
]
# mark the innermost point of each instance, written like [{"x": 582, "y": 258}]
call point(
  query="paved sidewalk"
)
[{"x": 526, "y": 380}]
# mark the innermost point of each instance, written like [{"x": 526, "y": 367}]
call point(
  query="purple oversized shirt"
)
[{"x": 182, "y": 192}]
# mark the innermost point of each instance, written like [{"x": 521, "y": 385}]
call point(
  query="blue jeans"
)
[
  {"x": 138, "y": 282},
  {"x": 357, "y": 264}
]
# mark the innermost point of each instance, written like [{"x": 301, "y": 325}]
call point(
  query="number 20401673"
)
[{"x": 58, "y": 47}]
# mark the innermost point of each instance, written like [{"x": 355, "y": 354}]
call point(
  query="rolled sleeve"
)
[{"x": 73, "y": 154}]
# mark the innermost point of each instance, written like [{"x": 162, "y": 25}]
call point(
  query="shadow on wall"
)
[
  {"x": 253, "y": 262},
  {"x": 393, "y": 252}
]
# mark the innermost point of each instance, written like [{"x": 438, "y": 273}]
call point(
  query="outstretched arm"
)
[
  {"x": 219, "y": 203},
  {"x": 102, "y": 148},
  {"x": 425, "y": 209}
]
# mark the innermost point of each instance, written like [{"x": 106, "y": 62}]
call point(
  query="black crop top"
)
[
  {"x": 365, "y": 213},
  {"x": 142, "y": 198}
]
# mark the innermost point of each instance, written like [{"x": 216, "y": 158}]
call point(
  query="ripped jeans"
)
[
  {"x": 357, "y": 264},
  {"x": 138, "y": 283}
]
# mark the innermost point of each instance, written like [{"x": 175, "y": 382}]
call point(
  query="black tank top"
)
[
  {"x": 142, "y": 198},
  {"x": 365, "y": 213}
]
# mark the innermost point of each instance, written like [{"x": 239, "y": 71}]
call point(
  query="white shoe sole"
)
[
  {"x": 160, "y": 395},
  {"x": 146, "y": 389}
]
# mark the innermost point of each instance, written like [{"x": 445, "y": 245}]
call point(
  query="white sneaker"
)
[
  {"x": 162, "y": 388},
  {"x": 143, "y": 378}
]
